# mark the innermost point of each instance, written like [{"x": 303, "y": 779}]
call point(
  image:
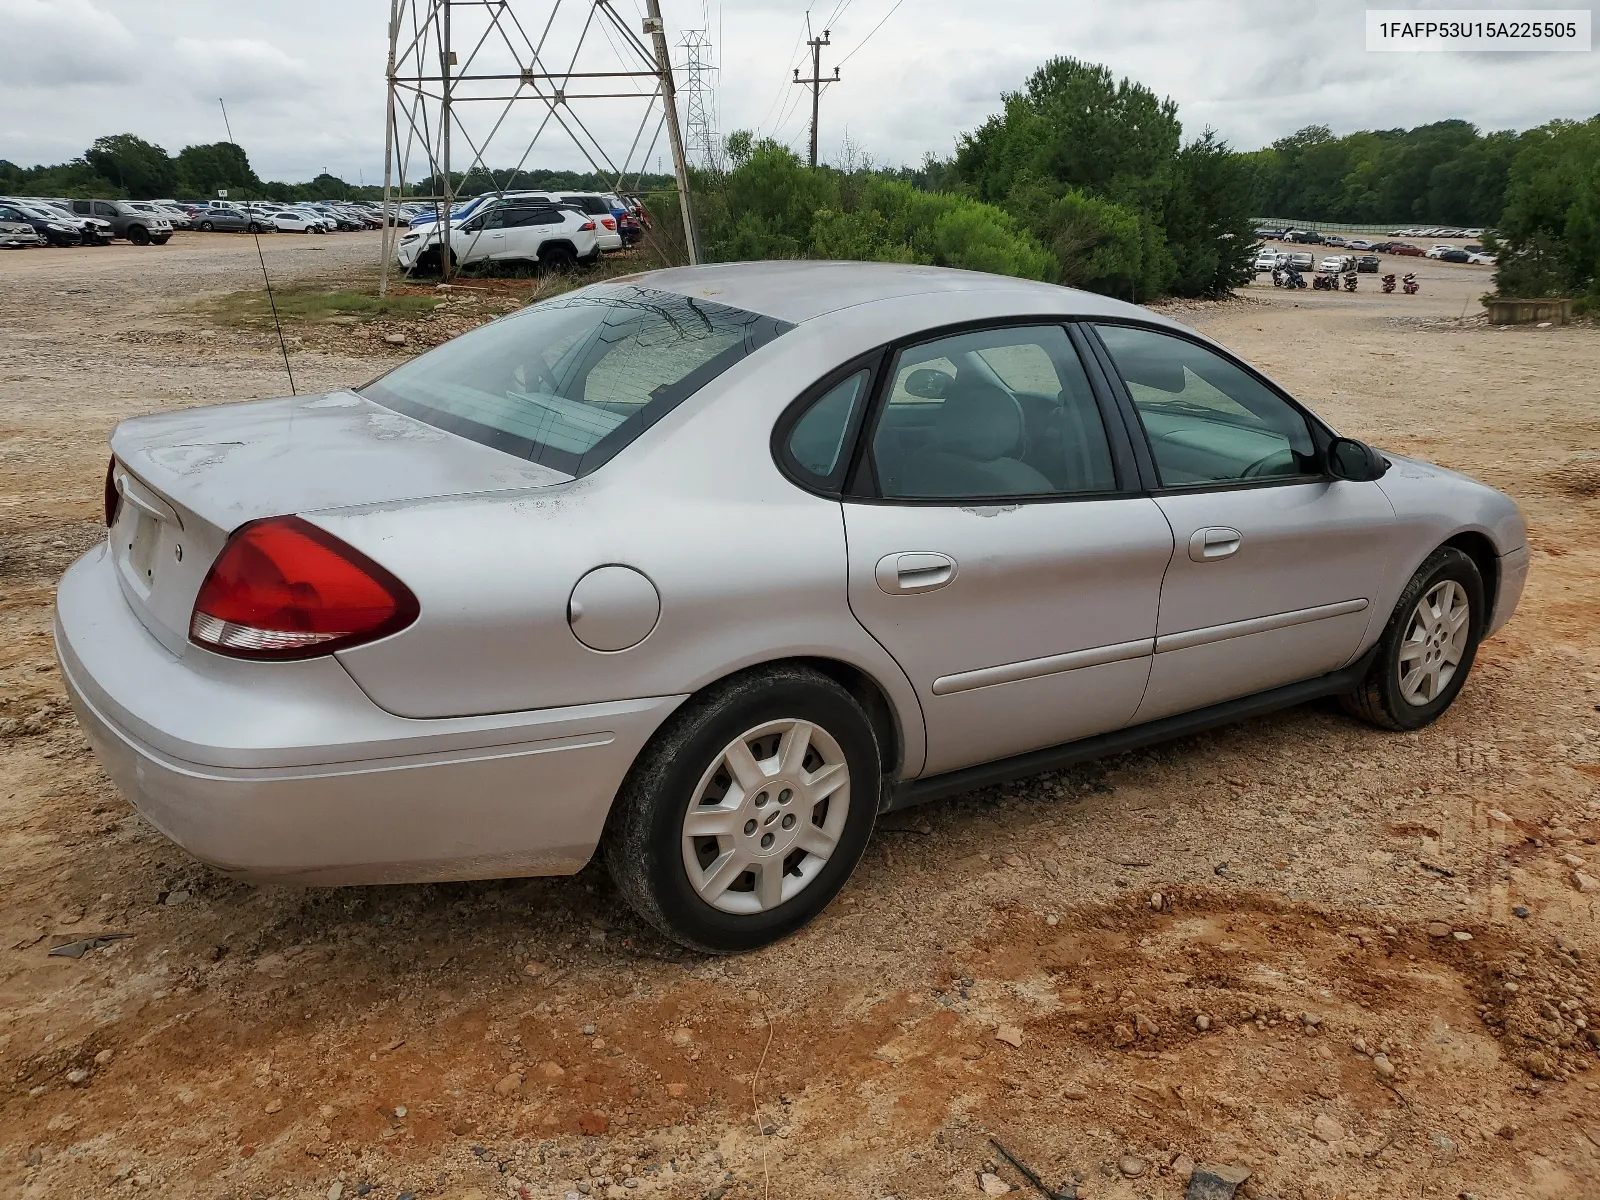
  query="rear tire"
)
[
  {"x": 206, "y": 226},
  {"x": 728, "y": 832},
  {"x": 557, "y": 260},
  {"x": 1427, "y": 648}
]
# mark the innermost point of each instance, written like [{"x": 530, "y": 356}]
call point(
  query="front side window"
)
[
  {"x": 998, "y": 412},
  {"x": 1207, "y": 420},
  {"x": 569, "y": 382}
]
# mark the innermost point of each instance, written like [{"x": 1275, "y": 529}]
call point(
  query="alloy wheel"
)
[
  {"x": 1434, "y": 642},
  {"x": 766, "y": 816}
]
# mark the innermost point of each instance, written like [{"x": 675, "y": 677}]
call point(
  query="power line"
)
[
  {"x": 868, "y": 38},
  {"x": 782, "y": 95}
]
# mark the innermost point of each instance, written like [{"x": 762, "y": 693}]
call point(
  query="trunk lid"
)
[{"x": 189, "y": 479}]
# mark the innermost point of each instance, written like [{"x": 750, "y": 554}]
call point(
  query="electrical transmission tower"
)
[
  {"x": 816, "y": 83},
  {"x": 699, "y": 99},
  {"x": 477, "y": 87}
]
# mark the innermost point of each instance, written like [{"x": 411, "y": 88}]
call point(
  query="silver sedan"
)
[{"x": 707, "y": 568}]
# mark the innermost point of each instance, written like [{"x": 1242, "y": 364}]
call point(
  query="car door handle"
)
[
  {"x": 906, "y": 574},
  {"x": 1208, "y": 545}
]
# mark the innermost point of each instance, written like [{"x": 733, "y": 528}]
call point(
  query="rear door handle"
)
[
  {"x": 908, "y": 573},
  {"x": 1208, "y": 545}
]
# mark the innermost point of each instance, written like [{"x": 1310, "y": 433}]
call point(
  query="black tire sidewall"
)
[
  {"x": 1445, "y": 564},
  {"x": 665, "y": 788}
]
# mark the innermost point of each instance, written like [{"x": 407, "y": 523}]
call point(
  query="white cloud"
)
[
  {"x": 246, "y": 68},
  {"x": 63, "y": 43}
]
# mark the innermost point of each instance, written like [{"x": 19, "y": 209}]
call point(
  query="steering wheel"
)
[{"x": 1271, "y": 464}]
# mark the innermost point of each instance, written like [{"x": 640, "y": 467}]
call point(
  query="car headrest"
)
[{"x": 978, "y": 420}]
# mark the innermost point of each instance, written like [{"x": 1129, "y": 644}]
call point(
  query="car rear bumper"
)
[{"x": 288, "y": 772}]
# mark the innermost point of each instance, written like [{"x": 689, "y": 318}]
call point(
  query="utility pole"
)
[
  {"x": 815, "y": 82},
  {"x": 656, "y": 28},
  {"x": 447, "y": 59}
]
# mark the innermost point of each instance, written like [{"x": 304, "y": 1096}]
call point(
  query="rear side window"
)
[
  {"x": 570, "y": 382},
  {"x": 816, "y": 442},
  {"x": 992, "y": 413}
]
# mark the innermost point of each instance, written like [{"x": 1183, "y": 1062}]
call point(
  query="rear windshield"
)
[
  {"x": 593, "y": 205},
  {"x": 570, "y": 382}
]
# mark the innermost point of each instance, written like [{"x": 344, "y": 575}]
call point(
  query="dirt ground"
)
[{"x": 1354, "y": 963}]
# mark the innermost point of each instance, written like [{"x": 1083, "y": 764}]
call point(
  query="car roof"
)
[{"x": 798, "y": 290}]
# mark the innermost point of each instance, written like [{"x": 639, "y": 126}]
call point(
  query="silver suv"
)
[{"x": 141, "y": 224}]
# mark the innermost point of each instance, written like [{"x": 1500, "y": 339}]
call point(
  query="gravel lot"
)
[{"x": 1294, "y": 946}]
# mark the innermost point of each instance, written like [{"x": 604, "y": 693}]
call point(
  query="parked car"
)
[
  {"x": 1301, "y": 260},
  {"x": 1333, "y": 239},
  {"x": 18, "y": 235},
  {"x": 221, "y": 220},
  {"x": 1336, "y": 264},
  {"x": 1359, "y": 244},
  {"x": 175, "y": 216},
  {"x": 1405, "y": 250},
  {"x": 723, "y": 718},
  {"x": 142, "y": 227},
  {"x": 1453, "y": 255},
  {"x": 53, "y": 231},
  {"x": 1268, "y": 260},
  {"x": 552, "y": 236},
  {"x": 1309, "y": 236},
  {"x": 599, "y": 207},
  {"x": 92, "y": 230},
  {"x": 1368, "y": 264},
  {"x": 286, "y": 221},
  {"x": 1483, "y": 260},
  {"x": 1268, "y": 233}
]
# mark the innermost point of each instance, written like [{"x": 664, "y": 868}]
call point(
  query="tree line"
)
[
  {"x": 1081, "y": 178},
  {"x": 124, "y": 166}
]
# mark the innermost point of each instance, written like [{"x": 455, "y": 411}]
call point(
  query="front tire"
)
[
  {"x": 139, "y": 235},
  {"x": 1427, "y": 648},
  {"x": 747, "y": 812}
]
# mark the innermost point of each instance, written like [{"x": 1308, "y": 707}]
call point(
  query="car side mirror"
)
[
  {"x": 1355, "y": 461},
  {"x": 927, "y": 383}
]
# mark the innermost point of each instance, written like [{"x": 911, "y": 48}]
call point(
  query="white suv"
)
[{"x": 530, "y": 231}]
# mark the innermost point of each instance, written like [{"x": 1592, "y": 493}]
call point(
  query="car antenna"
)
[{"x": 267, "y": 279}]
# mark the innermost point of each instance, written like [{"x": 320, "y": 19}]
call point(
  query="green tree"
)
[
  {"x": 1549, "y": 235},
  {"x": 206, "y": 169},
  {"x": 1075, "y": 124},
  {"x": 141, "y": 170}
]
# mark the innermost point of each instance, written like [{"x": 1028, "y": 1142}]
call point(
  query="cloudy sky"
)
[{"x": 304, "y": 78}]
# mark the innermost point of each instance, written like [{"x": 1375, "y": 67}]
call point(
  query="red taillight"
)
[
  {"x": 282, "y": 588},
  {"x": 113, "y": 497},
  {"x": 608, "y": 222},
  {"x": 586, "y": 227}
]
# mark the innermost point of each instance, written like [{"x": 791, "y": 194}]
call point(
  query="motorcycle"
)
[
  {"x": 1325, "y": 283},
  {"x": 1288, "y": 277},
  {"x": 1350, "y": 280},
  {"x": 1388, "y": 284},
  {"x": 1409, "y": 284}
]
